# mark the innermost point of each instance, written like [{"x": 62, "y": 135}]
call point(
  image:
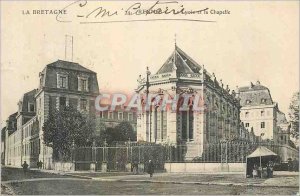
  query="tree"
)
[
  {"x": 125, "y": 132},
  {"x": 64, "y": 128},
  {"x": 294, "y": 115},
  {"x": 122, "y": 132}
]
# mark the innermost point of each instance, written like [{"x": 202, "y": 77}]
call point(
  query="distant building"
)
[
  {"x": 283, "y": 127},
  {"x": 258, "y": 110},
  {"x": 112, "y": 118},
  {"x": 62, "y": 83},
  {"x": 261, "y": 115}
]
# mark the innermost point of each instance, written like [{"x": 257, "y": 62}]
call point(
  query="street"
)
[{"x": 40, "y": 183}]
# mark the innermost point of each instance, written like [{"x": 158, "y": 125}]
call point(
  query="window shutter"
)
[
  {"x": 79, "y": 85},
  {"x": 67, "y": 82},
  {"x": 58, "y": 81}
]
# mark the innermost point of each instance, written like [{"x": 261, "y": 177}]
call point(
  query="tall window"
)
[
  {"x": 30, "y": 107},
  {"x": 187, "y": 124},
  {"x": 160, "y": 124},
  {"x": 110, "y": 115},
  {"x": 262, "y": 125},
  {"x": 130, "y": 116},
  {"x": 120, "y": 115},
  {"x": 262, "y": 113},
  {"x": 62, "y": 81},
  {"x": 82, "y": 84},
  {"x": 62, "y": 102},
  {"x": 83, "y": 104}
]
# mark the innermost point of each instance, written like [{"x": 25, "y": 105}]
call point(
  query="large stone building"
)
[
  {"x": 62, "y": 83},
  {"x": 258, "y": 111},
  {"x": 261, "y": 115},
  {"x": 217, "y": 120}
]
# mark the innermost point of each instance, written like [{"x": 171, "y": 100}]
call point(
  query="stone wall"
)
[
  {"x": 204, "y": 167},
  {"x": 64, "y": 166}
]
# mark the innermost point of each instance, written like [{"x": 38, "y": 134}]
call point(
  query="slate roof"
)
[
  {"x": 28, "y": 97},
  {"x": 12, "y": 119},
  {"x": 254, "y": 95},
  {"x": 69, "y": 65},
  {"x": 180, "y": 61},
  {"x": 281, "y": 118}
]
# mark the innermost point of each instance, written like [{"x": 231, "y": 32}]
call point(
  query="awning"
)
[{"x": 262, "y": 152}]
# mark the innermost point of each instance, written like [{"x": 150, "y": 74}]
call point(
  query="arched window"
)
[
  {"x": 187, "y": 124},
  {"x": 160, "y": 124}
]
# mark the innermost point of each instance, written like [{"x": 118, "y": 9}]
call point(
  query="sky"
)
[{"x": 256, "y": 41}]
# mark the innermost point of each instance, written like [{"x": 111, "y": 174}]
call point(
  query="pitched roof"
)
[
  {"x": 69, "y": 65},
  {"x": 28, "y": 97},
  {"x": 252, "y": 88},
  {"x": 254, "y": 95},
  {"x": 261, "y": 151},
  {"x": 12, "y": 123},
  {"x": 180, "y": 61}
]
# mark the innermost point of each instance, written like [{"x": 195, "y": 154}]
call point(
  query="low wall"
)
[
  {"x": 204, "y": 167},
  {"x": 64, "y": 166}
]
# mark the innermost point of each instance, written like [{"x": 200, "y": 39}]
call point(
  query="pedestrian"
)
[
  {"x": 135, "y": 168},
  {"x": 150, "y": 168},
  {"x": 295, "y": 165},
  {"x": 268, "y": 171},
  {"x": 25, "y": 166},
  {"x": 40, "y": 164},
  {"x": 271, "y": 165},
  {"x": 255, "y": 172},
  {"x": 290, "y": 164}
]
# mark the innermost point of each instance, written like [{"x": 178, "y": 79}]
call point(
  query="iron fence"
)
[{"x": 119, "y": 155}]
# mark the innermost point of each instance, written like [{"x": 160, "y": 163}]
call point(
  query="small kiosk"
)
[{"x": 258, "y": 162}]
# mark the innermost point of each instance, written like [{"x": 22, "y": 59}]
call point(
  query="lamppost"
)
[{"x": 148, "y": 117}]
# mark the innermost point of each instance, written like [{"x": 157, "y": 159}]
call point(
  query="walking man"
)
[
  {"x": 25, "y": 166},
  {"x": 150, "y": 168}
]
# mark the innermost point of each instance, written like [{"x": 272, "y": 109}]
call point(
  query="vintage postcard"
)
[{"x": 149, "y": 97}]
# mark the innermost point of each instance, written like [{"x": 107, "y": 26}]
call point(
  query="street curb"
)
[{"x": 77, "y": 176}]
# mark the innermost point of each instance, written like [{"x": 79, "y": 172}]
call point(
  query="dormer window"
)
[
  {"x": 62, "y": 81},
  {"x": 263, "y": 100},
  {"x": 30, "y": 107},
  {"x": 82, "y": 84}
]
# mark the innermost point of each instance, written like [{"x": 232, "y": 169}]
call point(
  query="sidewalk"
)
[{"x": 280, "y": 179}]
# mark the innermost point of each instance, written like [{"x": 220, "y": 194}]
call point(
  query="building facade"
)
[
  {"x": 261, "y": 115},
  {"x": 62, "y": 83},
  {"x": 218, "y": 118},
  {"x": 113, "y": 118},
  {"x": 258, "y": 111}
]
